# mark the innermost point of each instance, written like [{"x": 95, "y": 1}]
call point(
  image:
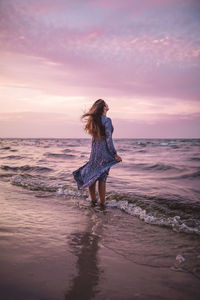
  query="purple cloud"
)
[{"x": 117, "y": 49}]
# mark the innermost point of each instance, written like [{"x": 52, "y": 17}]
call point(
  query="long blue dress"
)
[{"x": 101, "y": 158}]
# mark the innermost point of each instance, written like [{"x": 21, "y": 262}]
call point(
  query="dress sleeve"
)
[{"x": 109, "y": 141}]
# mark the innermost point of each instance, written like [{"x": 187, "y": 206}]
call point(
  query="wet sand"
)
[{"x": 51, "y": 248}]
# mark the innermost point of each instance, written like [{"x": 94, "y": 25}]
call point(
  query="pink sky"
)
[{"x": 59, "y": 56}]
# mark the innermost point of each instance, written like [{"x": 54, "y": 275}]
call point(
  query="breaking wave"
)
[{"x": 26, "y": 168}]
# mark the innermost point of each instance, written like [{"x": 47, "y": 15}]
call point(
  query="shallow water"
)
[
  {"x": 158, "y": 180},
  {"x": 152, "y": 196},
  {"x": 59, "y": 247}
]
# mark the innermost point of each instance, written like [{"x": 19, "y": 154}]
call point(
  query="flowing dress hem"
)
[{"x": 93, "y": 178}]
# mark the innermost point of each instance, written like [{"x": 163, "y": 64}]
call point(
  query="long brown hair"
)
[{"x": 93, "y": 124}]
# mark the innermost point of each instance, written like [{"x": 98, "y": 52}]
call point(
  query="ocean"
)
[{"x": 152, "y": 213}]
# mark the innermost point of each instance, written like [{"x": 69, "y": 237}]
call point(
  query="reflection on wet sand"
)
[{"x": 85, "y": 246}]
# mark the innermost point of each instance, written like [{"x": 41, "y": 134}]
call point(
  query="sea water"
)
[{"x": 152, "y": 196}]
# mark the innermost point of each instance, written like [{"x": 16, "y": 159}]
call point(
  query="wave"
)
[
  {"x": 195, "y": 158},
  {"x": 5, "y": 148},
  {"x": 6, "y": 175},
  {"x": 143, "y": 144},
  {"x": 176, "y": 223},
  {"x": 174, "y": 146},
  {"x": 123, "y": 150},
  {"x": 192, "y": 175},
  {"x": 12, "y": 157},
  {"x": 154, "y": 144},
  {"x": 164, "y": 144},
  {"x": 32, "y": 183},
  {"x": 161, "y": 167},
  {"x": 170, "y": 205},
  {"x": 161, "y": 212},
  {"x": 67, "y": 150},
  {"x": 59, "y": 155},
  {"x": 172, "y": 213},
  {"x": 37, "y": 184},
  {"x": 73, "y": 145},
  {"x": 26, "y": 168}
]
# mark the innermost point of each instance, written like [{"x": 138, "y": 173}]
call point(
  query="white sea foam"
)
[
  {"x": 180, "y": 258},
  {"x": 176, "y": 223},
  {"x": 68, "y": 192},
  {"x": 34, "y": 183}
]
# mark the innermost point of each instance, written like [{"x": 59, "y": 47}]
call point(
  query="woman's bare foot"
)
[
  {"x": 93, "y": 203},
  {"x": 102, "y": 206}
]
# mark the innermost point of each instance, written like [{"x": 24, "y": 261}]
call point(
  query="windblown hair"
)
[{"x": 93, "y": 124}]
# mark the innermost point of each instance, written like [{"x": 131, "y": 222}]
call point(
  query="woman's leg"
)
[
  {"x": 92, "y": 192},
  {"x": 102, "y": 191}
]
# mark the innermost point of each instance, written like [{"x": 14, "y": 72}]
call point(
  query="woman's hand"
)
[{"x": 118, "y": 158}]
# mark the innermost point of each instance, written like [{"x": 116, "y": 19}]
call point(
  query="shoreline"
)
[{"x": 54, "y": 248}]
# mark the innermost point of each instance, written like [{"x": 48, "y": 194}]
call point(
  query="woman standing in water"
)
[{"x": 103, "y": 153}]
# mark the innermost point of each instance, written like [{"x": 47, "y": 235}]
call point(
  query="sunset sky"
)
[{"x": 141, "y": 56}]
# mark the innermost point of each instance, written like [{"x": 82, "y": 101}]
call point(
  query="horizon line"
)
[{"x": 185, "y": 138}]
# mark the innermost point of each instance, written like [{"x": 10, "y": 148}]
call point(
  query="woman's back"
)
[{"x": 103, "y": 153}]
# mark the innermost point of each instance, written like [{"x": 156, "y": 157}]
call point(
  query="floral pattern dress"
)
[{"x": 102, "y": 157}]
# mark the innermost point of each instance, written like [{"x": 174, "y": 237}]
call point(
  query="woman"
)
[{"x": 103, "y": 153}]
